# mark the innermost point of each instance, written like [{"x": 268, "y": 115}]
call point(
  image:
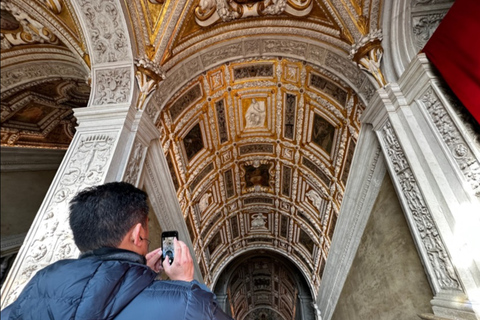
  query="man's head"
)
[{"x": 102, "y": 216}]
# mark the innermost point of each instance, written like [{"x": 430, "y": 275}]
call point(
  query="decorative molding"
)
[
  {"x": 442, "y": 273},
  {"x": 12, "y": 244},
  {"x": 353, "y": 217},
  {"x": 107, "y": 33},
  {"x": 462, "y": 154},
  {"x": 210, "y": 11},
  {"x": 424, "y": 26},
  {"x": 50, "y": 238},
  {"x": 148, "y": 76},
  {"x": 38, "y": 71}
]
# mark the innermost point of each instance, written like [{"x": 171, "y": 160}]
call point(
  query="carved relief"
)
[
  {"x": 210, "y": 11},
  {"x": 53, "y": 240},
  {"x": 315, "y": 198},
  {"x": 112, "y": 86},
  {"x": 367, "y": 53},
  {"x": 451, "y": 135},
  {"x": 424, "y": 27},
  {"x": 28, "y": 31},
  {"x": 39, "y": 71},
  {"x": 256, "y": 113},
  {"x": 439, "y": 260},
  {"x": 258, "y": 222},
  {"x": 204, "y": 201},
  {"x": 108, "y": 35},
  {"x": 148, "y": 76}
]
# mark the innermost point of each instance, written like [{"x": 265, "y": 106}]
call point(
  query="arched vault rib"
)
[
  {"x": 259, "y": 150},
  {"x": 333, "y": 64}
]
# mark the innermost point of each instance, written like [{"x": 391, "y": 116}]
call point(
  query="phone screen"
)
[{"x": 168, "y": 249}]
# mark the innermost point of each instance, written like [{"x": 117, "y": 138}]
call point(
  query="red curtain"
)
[{"x": 454, "y": 49}]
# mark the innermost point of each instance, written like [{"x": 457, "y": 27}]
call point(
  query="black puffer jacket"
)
[{"x": 110, "y": 284}]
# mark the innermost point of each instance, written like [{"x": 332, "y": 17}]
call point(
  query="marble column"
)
[{"x": 434, "y": 164}]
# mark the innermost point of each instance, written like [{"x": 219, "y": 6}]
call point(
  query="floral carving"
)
[
  {"x": 112, "y": 86},
  {"x": 424, "y": 26},
  {"x": 444, "y": 273},
  {"x": 108, "y": 35},
  {"x": 53, "y": 239},
  {"x": 464, "y": 158},
  {"x": 30, "y": 30},
  {"x": 210, "y": 11}
]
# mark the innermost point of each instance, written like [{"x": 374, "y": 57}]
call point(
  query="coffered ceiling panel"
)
[
  {"x": 259, "y": 151},
  {"x": 44, "y": 73}
]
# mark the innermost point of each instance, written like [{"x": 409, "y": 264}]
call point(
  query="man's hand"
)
[
  {"x": 182, "y": 266},
  {"x": 154, "y": 260}
]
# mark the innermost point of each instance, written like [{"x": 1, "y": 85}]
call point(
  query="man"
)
[{"x": 114, "y": 277}]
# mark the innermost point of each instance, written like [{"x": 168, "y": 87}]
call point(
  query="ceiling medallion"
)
[{"x": 210, "y": 11}]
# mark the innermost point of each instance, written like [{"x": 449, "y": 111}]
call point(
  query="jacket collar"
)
[{"x": 107, "y": 253}]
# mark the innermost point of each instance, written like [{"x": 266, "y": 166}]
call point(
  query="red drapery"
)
[{"x": 454, "y": 49}]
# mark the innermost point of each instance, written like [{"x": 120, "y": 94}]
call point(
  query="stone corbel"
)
[
  {"x": 148, "y": 76},
  {"x": 367, "y": 54}
]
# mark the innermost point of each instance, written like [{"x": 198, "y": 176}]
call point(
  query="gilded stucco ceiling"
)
[
  {"x": 259, "y": 144},
  {"x": 259, "y": 151},
  {"x": 44, "y": 73}
]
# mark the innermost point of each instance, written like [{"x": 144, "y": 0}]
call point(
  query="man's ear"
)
[{"x": 136, "y": 234}]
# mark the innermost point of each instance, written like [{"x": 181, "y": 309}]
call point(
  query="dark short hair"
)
[{"x": 101, "y": 216}]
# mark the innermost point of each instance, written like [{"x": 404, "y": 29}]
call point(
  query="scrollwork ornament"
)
[
  {"x": 112, "y": 86},
  {"x": 108, "y": 35},
  {"x": 54, "y": 240},
  {"x": 438, "y": 258},
  {"x": 30, "y": 30},
  {"x": 210, "y": 11},
  {"x": 452, "y": 137}
]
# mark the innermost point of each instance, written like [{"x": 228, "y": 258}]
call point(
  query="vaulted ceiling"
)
[{"x": 259, "y": 105}]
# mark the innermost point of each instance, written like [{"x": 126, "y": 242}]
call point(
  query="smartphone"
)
[{"x": 168, "y": 249}]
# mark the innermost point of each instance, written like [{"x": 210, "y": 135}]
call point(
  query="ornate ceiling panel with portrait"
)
[{"x": 270, "y": 159}]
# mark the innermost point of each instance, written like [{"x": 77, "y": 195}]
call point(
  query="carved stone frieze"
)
[
  {"x": 108, "y": 34},
  {"x": 112, "y": 86},
  {"x": 52, "y": 239},
  {"x": 443, "y": 274},
  {"x": 37, "y": 71},
  {"x": 424, "y": 26},
  {"x": 345, "y": 67},
  {"x": 463, "y": 156},
  {"x": 210, "y": 11}
]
